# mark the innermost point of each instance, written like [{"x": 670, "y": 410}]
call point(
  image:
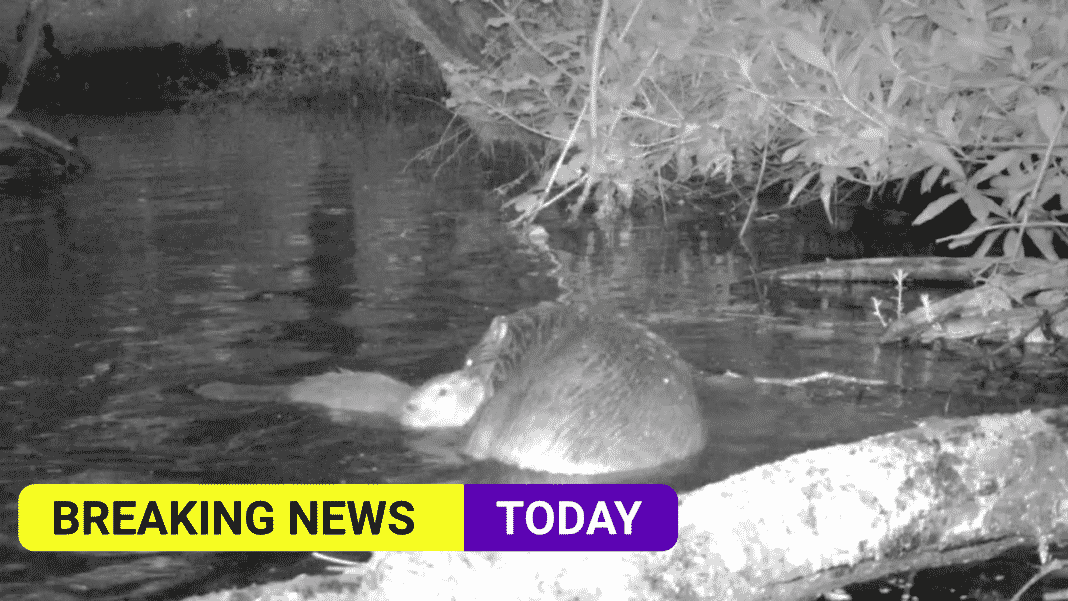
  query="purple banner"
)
[{"x": 570, "y": 517}]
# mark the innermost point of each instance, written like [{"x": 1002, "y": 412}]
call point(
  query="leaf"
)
[
  {"x": 802, "y": 48},
  {"x": 568, "y": 171},
  {"x": 849, "y": 65},
  {"x": 944, "y": 119},
  {"x": 943, "y": 156},
  {"x": 825, "y": 198},
  {"x": 896, "y": 89},
  {"x": 828, "y": 176},
  {"x": 524, "y": 203},
  {"x": 559, "y": 128},
  {"x": 995, "y": 166},
  {"x": 1049, "y": 118},
  {"x": 791, "y": 153},
  {"x": 981, "y": 206},
  {"x": 1009, "y": 245},
  {"x": 888, "y": 41},
  {"x": 800, "y": 185},
  {"x": 1012, "y": 202},
  {"x": 1050, "y": 188},
  {"x": 937, "y": 207},
  {"x": 745, "y": 63},
  {"x": 1043, "y": 239},
  {"x": 872, "y": 133},
  {"x": 929, "y": 178},
  {"x": 549, "y": 79},
  {"x": 1007, "y": 184}
]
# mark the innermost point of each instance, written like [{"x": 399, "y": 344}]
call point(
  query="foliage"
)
[
  {"x": 374, "y": 68},
  {"x": 970, "y": 94}
]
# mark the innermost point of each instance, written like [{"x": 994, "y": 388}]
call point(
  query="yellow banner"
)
[{"x": 239, "y": 517}]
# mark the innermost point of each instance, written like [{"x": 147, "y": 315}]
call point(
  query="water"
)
[{"x": 261, "y": 246}]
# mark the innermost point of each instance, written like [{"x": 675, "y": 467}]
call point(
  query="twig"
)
[
  {"x": 345, "y": 564},
  {"x": 511, "y": 20},
  {"x": 528, "y": 217},
  {"x": 563, "y": 152},
  {"x": 1050, "y": 567},
  {"x": 25, "y": 129},
  {"x": 756, "y": 189},
  {"x": 998, "y": 226},
  {"x": 596, "y": 152},
  {"x": 823, "y": 375}
]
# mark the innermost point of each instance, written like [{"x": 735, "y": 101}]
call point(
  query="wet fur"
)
[
  {"x": 445, "y": 401},
  {"x": 339, "y": 391},
  {"x": 578, "y": 390},
  {"x": 498, "y": 355}
]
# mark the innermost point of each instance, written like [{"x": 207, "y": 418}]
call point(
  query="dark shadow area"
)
[{"x": 115, "y": 81}]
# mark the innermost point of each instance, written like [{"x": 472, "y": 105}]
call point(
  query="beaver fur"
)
[
  {"x": 445, "y": 401},
  {"x": 344, "y": 393},
  {"x": 579, "y": 390}
]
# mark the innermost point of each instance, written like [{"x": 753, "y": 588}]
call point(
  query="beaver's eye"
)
[{"x": 443, "y": 392}]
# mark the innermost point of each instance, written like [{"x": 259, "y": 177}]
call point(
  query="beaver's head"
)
[{"x": 445, "y": 401}]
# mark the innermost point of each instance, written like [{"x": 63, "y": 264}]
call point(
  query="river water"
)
[{"x": 261, "y": 246}]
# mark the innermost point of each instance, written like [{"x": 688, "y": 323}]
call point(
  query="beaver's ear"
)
[
  {"x": 495, "y": 334},
  {"x": 499, "y": 328}
]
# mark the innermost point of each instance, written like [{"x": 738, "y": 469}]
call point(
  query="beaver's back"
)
[{"x": 582, "y": 391}]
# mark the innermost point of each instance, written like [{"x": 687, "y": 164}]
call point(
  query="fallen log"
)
[
  {"x": 945, "y": 492},
  {"x": 987, "y": 307},
  {"x": 941, "y": 270}
]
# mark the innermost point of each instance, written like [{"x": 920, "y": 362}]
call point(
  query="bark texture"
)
[{"x": 947, "y": 491}]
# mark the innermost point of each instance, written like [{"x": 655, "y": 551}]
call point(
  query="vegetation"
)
[
  {"x": 373, "y": 69},
  {"x": 646, "y": 97}
]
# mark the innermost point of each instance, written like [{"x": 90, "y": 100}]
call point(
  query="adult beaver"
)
[{"x": 578, "y": 390}]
